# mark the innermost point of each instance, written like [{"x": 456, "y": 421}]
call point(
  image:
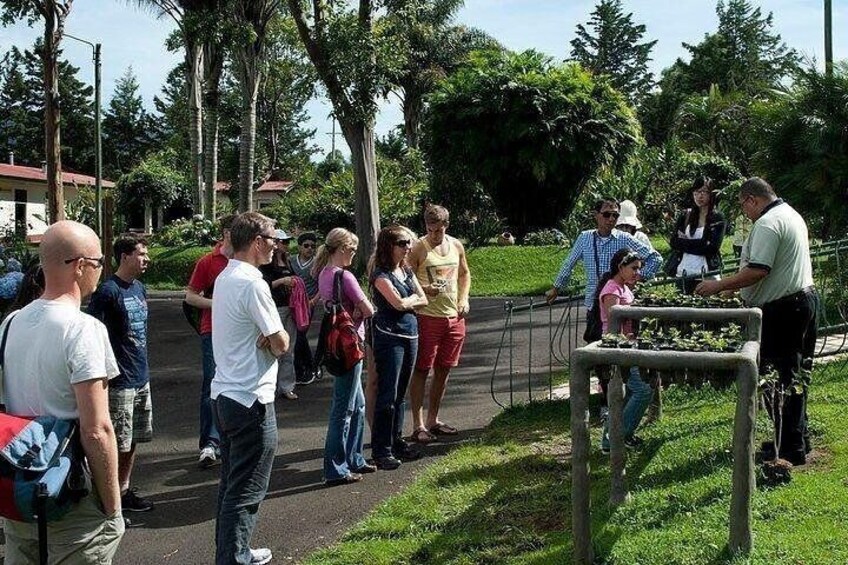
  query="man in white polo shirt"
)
[
  {"x": 247, "y": 340},
  {"x": 776, "y": 274}
]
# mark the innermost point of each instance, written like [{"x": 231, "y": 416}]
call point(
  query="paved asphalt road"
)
[{"x": 299, "y": 514}]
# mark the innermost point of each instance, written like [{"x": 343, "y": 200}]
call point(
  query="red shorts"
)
[{"x": 439, "y": 342}]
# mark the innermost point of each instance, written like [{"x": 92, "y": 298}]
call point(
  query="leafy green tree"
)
[
  {"x": 128, "y": 130},
  {"x": 433, "y": 48},
  {"x": 354, "y": 60},
  {"x": 289, "y": 84},
  {"x": 744, "y": 54},
  {"x": 803, "y": 141},
  {"x": 613, "y": 46},
  {"x": 155, "y": 183},
  {"x": 22, "y": 110},
  {"x": 718, "y": 123},
  {"x": 53, "y": 13},
  {"x": 530, "y": 133}
]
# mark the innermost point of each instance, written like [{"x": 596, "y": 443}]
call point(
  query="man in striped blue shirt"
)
[{"x": 596, "y": 248}]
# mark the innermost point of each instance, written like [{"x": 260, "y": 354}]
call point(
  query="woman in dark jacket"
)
[
  {"x": 278, "y": 274},
  {"x": 697, "y": 236}
]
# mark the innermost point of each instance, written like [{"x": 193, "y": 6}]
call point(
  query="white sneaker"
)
[
  {"x": 208, "y": 457},
  {"x": 260, "y": 556}
]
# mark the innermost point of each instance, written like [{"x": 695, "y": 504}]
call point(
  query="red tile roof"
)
[
  {"x": 267, "y": 186},
  {"x": 275, "y": 186},
  {"x": 36, "y": 174}
]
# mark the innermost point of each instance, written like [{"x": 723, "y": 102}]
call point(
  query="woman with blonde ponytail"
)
[{"x": 343, "y": 459}]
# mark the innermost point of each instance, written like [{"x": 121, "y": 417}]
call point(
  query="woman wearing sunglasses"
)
[
  {"x": 615, "y": 290},
  {"x": 394, "y": 334}
]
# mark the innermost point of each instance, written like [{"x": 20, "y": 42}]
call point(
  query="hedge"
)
[{"x": 171, "y": 267}]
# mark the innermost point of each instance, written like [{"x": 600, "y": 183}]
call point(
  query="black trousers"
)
[{"x": 788, "y": 344}]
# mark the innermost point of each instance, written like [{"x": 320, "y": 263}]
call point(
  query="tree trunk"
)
[
  {"x": 412, "y": 105},
  {"x": 160, "y": 218},
  {"x": 52, "y": 115},
  {"x": 250, "y": 77},
  {"x": 360, "y": 139},
  {"x": 213, "y": 64},
  {"x": 148, "y": 216},
  {"x": 194, "y": 68}
]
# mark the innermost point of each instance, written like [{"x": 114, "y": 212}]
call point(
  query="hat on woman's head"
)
[
  {"x": 281, "y": 235},
  {"x": 628, "y": 216}
]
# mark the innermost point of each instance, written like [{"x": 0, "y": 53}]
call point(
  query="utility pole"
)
[
  {"x": 828, "y": 38},
  {"x": 333, "y": 135},
  {"x": 98, "y": 138}
]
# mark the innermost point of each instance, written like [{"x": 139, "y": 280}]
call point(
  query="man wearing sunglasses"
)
[
  {"x": 121, "y": 304},
  {"x": 304, "y": 363},
  {"x": 596, "y": 247},
  {"x": 58, "y": 363}
]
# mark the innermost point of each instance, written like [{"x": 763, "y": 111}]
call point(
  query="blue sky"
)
[{"x": 135, "y": 38}]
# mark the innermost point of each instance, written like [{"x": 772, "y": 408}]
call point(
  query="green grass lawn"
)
[
  {"x": 505, "y": 497},
  {"x": 495, "y": 271}
]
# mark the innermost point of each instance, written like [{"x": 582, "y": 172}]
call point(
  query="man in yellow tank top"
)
[{"x": 439, "y": 263}]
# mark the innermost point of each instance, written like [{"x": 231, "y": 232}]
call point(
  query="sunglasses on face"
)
[
  {"x": 608, "y": 214},
  {"x": 307, "y": 245},
  {"x": 403, "y": 243},
  {"x": 99, "y": 260}
]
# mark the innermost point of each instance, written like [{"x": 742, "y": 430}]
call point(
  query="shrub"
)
[
  {"x": 172, "y": 266},
  {"x": 187, "y": 232},
  {"x": 546, "y": 237}
]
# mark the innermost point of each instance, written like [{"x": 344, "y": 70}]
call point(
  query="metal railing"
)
[{"x": 537, "y": 339}]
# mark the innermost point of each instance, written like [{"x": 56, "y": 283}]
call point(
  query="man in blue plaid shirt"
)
[{"x": 607, "y": 241}]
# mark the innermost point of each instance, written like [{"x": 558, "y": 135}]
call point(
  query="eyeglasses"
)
[
  {"x": 267, "y": 237},
  {"x": 307, "y": 245},
  {"x": 607, "y": 215},
  {"x": 101, "y": 261},
  {"x": 403, "y": 243}
]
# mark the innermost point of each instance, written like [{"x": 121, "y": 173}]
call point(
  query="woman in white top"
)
[{"x": 697, "y": 236}]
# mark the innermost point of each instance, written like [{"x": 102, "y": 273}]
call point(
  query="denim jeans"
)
[
  {"x": 343, "y": 446},
  {"x": 635, "y": 404},
  {"x": 395, "y": 358},
  {"x": 248, "y": 443},
  {"x": 304, "y": 362},
  {"x": 285, "y": 364},
  {"x": 208, "y": 429}
]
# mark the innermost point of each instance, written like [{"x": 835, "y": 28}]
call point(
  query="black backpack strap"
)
[{"x": 337, "y": 287}]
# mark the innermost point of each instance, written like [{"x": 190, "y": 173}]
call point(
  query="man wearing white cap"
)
[{"x": 629, "y": 222}]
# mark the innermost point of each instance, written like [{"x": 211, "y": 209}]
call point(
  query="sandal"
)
[
  {"x": 442, "y": 429},
  {"x": 422, "y": 436}
]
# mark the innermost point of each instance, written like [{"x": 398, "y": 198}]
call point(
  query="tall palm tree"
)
[
  {"x": 54, "y": 13},
  {"x": 186, "y": 14},
  {"x": 252, "y": 18}
]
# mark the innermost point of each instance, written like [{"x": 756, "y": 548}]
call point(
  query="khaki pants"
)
[{"x": 84, "y": 535}]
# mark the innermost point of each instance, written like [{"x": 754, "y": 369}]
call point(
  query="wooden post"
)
[
  {"x": 744, "y": 482},
  {"x": 108, "y": 233},
  {"x": 618, "y": 488},
  {"x": 581, "y": 523}
]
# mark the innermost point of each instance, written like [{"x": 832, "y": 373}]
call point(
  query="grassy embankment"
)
[
  {"x": 504, "y": 498},
  {"x": 496, "y": 271}
]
